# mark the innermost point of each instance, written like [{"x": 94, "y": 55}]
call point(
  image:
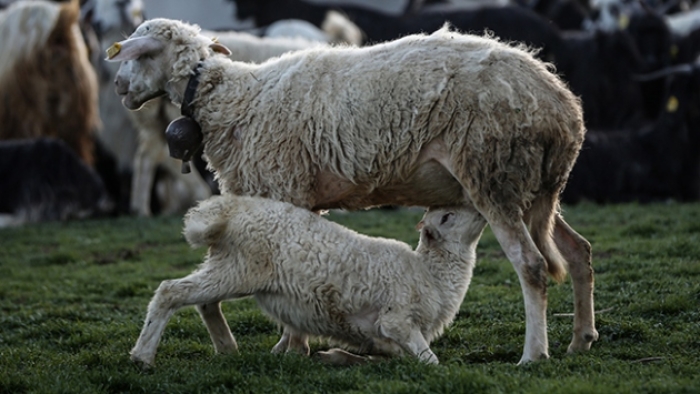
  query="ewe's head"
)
[
  {"x": 450, "y": 229},
  {"x": 159, "y": 52}
]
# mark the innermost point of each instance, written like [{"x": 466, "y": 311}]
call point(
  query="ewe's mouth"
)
[{"x": 134, "y": 104}]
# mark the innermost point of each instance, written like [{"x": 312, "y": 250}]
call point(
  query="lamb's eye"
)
[{"x": 445, "y": 217}]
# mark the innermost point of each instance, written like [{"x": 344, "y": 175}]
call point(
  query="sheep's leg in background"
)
[
  {"x": 531, "y": 268},
  {"x": 185, "y": 189},
  {"x": 577, "y": 252},
  {"x": 218, "y": 328},
  {"x": 144, "y": 172},
  {"x": 292, "y": 340},
  {"x": 201, "y": 287}
]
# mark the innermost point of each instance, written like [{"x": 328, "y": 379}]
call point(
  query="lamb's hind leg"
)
[
  {"x": 292, "y": 340},
  {"x": 577, "y": 252},
  {"x": 530, "y": 266},
  {"x": 199, "y": 288},
  {"x": 218, "y": 328}
]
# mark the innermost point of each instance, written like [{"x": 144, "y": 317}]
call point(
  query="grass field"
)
[{"x": 73, "y": 297}]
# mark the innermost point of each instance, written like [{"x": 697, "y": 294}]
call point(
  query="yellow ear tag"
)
[
  {"x": 674, "y": 51},
  {"x": 114, "y": 50},
  {"x": 215, "y": 40},
  {"x": 672, "y": 104},
  {"x": 623, "y": 21}
]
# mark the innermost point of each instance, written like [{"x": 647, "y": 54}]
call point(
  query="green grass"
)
[{"x": 73, "y": 297}]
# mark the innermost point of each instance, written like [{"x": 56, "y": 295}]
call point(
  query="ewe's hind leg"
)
[
  {"x": 218, "y": 328},
  {"x": 532, "y": 273},
  {"x": 577, "y": 252},
  {"x": 200, "y": 287},
  {"x": 292, "y": 340}
]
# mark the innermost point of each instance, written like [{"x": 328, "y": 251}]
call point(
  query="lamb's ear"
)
[
  {"x": 420, "y": 225},
  {"x": 217, "y": 47},
  {"x": 133, "y": 48}
]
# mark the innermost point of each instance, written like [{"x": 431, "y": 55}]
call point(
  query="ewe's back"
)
[{"x": 403, "y": 94}]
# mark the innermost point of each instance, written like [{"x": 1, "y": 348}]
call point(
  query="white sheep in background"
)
[
  {"x": 335, "y": 29},
  {"x": 136, "y": 138},
  {"x": 428, "y": 120},
  {"x": 320, "y": 278}
]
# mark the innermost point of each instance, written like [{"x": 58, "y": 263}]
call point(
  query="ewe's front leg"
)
[
  {"x": 532, "y": 273},
  {"x": 577, "y": 252},
  {"x": 218, "y": 328}
]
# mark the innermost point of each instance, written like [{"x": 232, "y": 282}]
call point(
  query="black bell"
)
[{"x": 184, "y": 137}]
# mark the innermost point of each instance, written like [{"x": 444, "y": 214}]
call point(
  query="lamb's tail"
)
[
  {"x": 542, "y": 218},
  {"x": 206, "y": 223}
]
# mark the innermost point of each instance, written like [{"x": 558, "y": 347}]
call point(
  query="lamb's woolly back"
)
[{"x": 24, "y": 27}]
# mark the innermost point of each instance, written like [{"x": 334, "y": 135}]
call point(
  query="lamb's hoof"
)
[
  {"x": 141, "y": 362},
  {"x": 340, "y": 357}
]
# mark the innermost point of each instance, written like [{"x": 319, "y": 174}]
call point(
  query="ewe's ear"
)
[
  {"x": 220, "y": 48},
  {"x": 133, "y": 48}
]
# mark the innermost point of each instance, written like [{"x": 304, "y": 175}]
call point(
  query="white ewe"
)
[
  {"x": 319, "y": 278},
  {"x": 429, "y": 120}
]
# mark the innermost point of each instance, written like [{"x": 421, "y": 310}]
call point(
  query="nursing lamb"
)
[
  {"x": 429, "y": 120},
  {"x": 320, "y": 278}
]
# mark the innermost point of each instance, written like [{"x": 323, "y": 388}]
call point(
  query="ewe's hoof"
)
[
  {"x": 583, "y": 342},
  {"x": 526, "y": 360}
]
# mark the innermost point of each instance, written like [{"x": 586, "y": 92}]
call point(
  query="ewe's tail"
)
[
  {"x": 542, "y": 218},
  {"x": 206, "y": 223}
]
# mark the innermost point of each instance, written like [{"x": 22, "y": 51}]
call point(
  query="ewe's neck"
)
[
  {"x": 177, "y": 86},
  {"x": 175, "y": 89}
]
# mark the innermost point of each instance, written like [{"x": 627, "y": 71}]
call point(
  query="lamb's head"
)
[
  {"x": 453, "y": 229},
  {"x": 159, "y": 53}
]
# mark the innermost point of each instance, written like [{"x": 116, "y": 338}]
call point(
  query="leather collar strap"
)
[{"x": 186, "y": 109}]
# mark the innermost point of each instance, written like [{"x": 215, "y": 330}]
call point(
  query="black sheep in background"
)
[{"x": 44, "y": 180}]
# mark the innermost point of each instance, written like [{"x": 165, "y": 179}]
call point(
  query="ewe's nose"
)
[{"x": 121, "y": 85}]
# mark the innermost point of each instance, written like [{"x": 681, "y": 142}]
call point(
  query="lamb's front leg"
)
[
  {"x": 201, "y": 287},
  {"x": 398, "y": 328},
  {"x": 218, "y": 328}
]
